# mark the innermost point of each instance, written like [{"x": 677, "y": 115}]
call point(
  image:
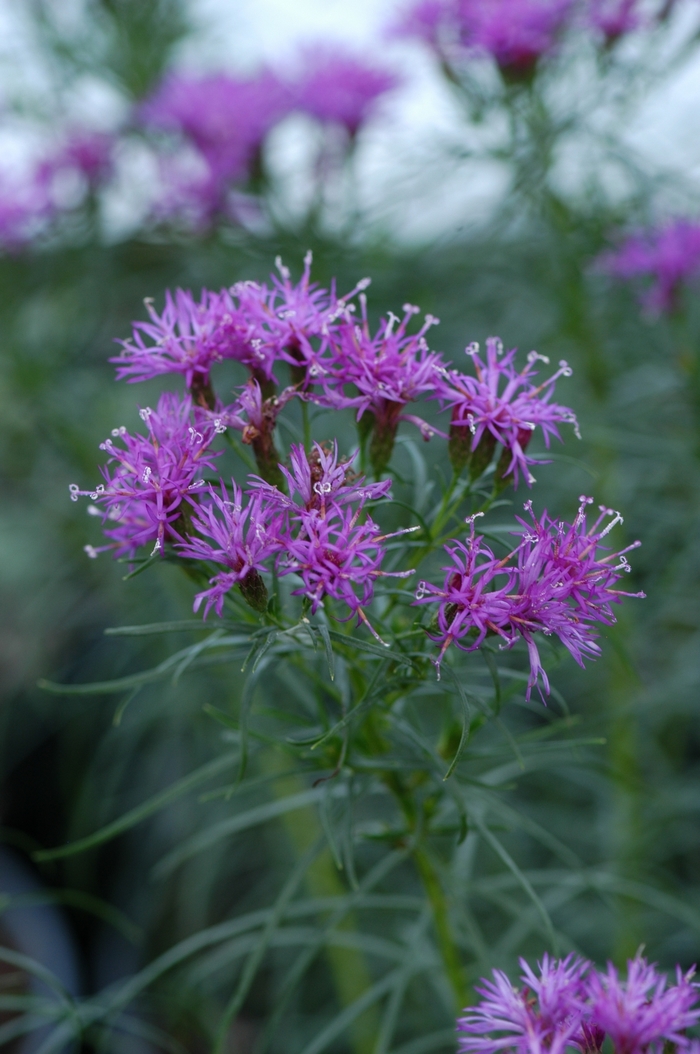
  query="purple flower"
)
[
  {"x": 226, "y": 119},
  {"x": 335, "y": 555},
  {"x": 24, "y": 213},
  {"x": 339, "y": 88},
  {"x": 643, "y": 1013},
  {"x": 294, "y": 322},
  {"x": 553, "y": 582},
  {"x": 542, "y": 1016},
  {"x": 571, "y": 1005},
  {"x": 483, "y": 416},
  {"x": 516, "y": 33},
  {"x": 86, "y": 153},
  {"x": 321, "y": 482},
  {"x": 151, "y": 479},
  {"x": 244, "y": 540},
  {"x": 388, "y": 371},
  {"x": 188, "y": 337},
  {"x": 666, "y": 256}
]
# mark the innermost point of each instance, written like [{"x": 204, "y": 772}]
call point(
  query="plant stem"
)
[{"x": 441, "y": 919}]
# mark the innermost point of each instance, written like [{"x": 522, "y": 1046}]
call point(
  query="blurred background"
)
[{"x": 550, "y": 197}]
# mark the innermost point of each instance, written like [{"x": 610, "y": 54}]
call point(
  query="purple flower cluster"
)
[
  {"x": 226, "y": 120},
  {"x": 251, "y": 323},
  {"x": 150, "y": 480},
  {"x": 308, "y": 516},
  {"x": 315, "y": 532},
  {"x": 338, "y": 88},
  {"x": 666, "y": 256},
  {"x": 515, "y": 33},
  {"x": 569, "y": 1005},
  {"x": 58, "y": 181},
  {"x": 482, "y": 416},
  {"x": 559, "y": 580}
]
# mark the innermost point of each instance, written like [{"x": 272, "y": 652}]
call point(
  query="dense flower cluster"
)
[
  {"x": 555, "y": 582},
  {"x": 569, "y": 1005},
  {"x": 325, "y": 537},
  {"x": 666, "y": 256},
  {"x": 308, "y": 515}
]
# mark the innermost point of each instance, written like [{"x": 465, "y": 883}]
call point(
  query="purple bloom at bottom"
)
[
  {"x": 543, "y": 1015},
  {"x": 570, "y": 1005},
  {"x": 666, "y": 256},
  {"x": 644, "y": 1012},
  {"x": 244, "y": 538}
]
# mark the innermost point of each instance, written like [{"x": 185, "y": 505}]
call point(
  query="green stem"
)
[{"x": 441, "y": 919}]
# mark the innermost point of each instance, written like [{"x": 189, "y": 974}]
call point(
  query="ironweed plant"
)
[
  {"x": 362, "y": 698},
  {"x": 353, "y": 786}
]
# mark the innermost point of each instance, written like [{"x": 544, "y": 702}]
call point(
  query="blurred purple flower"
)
[
  {"x": 340, "y": 88},
  {"x": 542, "y": 1016},
  {"x": 244, "y": 539},
  {"x": 225, "y": 118},
  {"x": 516, "y": 33},
  {"x": 148, "y": 479},
  {"x": 87, "y": 154},
  {"x": 667, "y": 255},
  {"x": 553, "y": 582},
  {"x": 388, "y": 370},
  {"x": 643, "y": 1013},
  {"x": 486, "y": 416},
  {"x": 321, "y": 481}
]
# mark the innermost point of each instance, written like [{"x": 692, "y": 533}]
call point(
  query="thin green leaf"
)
[
  {"x": 524, "y": 882},
  {"x": 141, "y": 812},
  {"x": 330, "y": 658},
  {"x": 466, "y": 721},
  {"x": 346, "y": 1017},
  {"x": 119, "y": 712},
  {"x": 156, "y": 627},
  {"x": 251, "y": 967},
  {"x": 152, "y": 559},
  {"x": 233, "y": 825}
]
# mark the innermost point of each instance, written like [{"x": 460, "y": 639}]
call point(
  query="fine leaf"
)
[{"x": 141, "y": 812}]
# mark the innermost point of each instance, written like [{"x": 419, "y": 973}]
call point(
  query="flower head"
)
[
  {"x": 149, "y": 477},
  {"x": 226, "y": 118},
  {"x": 509, "y": 416},
  {"x": 665, "y": 256},
  {"x": 188, "y": 337},
  {"x": 337, "y": 556},
  {"x": 515, "y": 33},
  {"x": 543, "y": 1015},
  {"x": 554, "y": 582},
  {"x": 321, "y": 481},
  {"x": 339, "y": 88},
  {"x": 293, "y": 322},
  {"x": 643, "y": 1012},
  {"x": 244, "y": 538},
  {"x": 388, "y": 371}
]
